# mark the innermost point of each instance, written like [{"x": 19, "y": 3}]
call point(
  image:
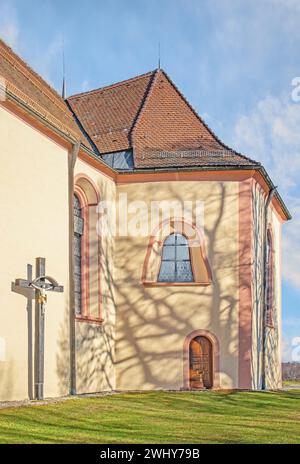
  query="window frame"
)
[
  {"x": 176, "y": 247},
  {"x": 88, "y": 196},
  {"x": 81, "y": 312},
  {"x": 270, "y": 280},
  {"x": 200, "y": 265}
]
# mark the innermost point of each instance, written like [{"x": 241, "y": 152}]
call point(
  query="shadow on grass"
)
[{"x": 161, "y": 417}]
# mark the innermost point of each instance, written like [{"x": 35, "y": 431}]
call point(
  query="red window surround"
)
[{"x": 88, "y": 196}]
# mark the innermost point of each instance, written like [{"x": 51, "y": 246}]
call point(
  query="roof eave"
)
[
  {"x": 271, "y": 185},
  {"x": 256, "y": 167},
  {"x": 70, "y": 139},
  {"x": 63, "y": 135}
]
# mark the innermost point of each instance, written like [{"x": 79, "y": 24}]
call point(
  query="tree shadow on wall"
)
[
  {"x": 152, "y": 323},
  {"x": 141, "y": 339}
]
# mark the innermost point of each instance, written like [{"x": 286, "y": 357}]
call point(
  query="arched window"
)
[
  {"x": 87, "y": 251},
  {"x": 176, "y": 255},
  {"x": 78, "y": 232},
  {"x": 175, "y": 261},
  {"x": 269, "y": 280}
]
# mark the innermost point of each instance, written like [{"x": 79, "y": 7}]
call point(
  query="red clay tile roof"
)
[
  {"x": 108, "y": 114},
  {"x": 168, "y": 132},
  {"x": 35, "y": 93},
  {"x": 149, "y": 115}
]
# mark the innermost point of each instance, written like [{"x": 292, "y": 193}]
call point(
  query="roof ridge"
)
[
  {"x": 193, "y": 110},
  {"x": 27, "y": 70},
  {"x": 107, "y": 87},
  {"x": 143, "y": 104},
  {"x": 203, "y": 122}
]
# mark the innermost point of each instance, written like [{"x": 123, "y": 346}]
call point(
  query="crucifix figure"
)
[{"x": 36, "y": 289}]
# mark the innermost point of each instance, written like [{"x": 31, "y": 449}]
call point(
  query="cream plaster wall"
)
[
  {"x": 34, "y": 222},
  {"x": 273, "y": 345},
  {"x": 258, "y": 206},
  {"x": 273, "y": 335},
  {"x": 94, "y": 342},
  {"x": 139, "y": 345},
  {"x": 152, "y": 322}
]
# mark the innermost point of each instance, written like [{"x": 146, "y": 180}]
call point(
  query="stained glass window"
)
[
  {"x": 175, "y": 262},
  {"x": 78, "y": 231}
]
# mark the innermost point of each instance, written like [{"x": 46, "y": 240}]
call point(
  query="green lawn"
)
[
  {"x": 158, "y": 417},
  {"x": 288, "y": 383}
]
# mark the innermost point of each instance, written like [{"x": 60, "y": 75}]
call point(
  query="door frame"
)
[{"x": 215, "y": 357}]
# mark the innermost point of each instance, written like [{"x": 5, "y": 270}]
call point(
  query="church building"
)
[{"x": 161, "y": 244}]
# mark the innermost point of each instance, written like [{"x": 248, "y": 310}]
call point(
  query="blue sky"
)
[{"x": 233, "y": 59}]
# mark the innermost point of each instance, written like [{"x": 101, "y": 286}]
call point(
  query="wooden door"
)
[{"x": 200, "y": 363}]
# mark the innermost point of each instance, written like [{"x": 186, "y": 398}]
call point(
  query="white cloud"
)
[
  {"x": 291, "y": 244},
  {"x": 270, "y": 133},
  {"x": 48, "y": 61},
  {"x": 286, "y": 349},
  {"x": 9, "y": 28},
  {"x": 85, "y": 85},
  {"x": 290, "y": 348}
]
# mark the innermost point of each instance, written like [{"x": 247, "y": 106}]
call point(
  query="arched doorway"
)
[
  {"x": 200, "y": 363},
  {"x": 213, "y": 351}
]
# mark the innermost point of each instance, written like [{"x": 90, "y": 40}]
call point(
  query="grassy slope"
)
[
  {"x": 291, "y": 382},
  {"x": 158, "y": 417}
]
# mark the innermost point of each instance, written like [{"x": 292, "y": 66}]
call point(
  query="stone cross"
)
[{"x": 36, "y": 289}]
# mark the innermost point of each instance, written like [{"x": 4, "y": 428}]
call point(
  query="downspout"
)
[
  {"x": 264, "y": 296},
  {"x": 71, "y": 164}
]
